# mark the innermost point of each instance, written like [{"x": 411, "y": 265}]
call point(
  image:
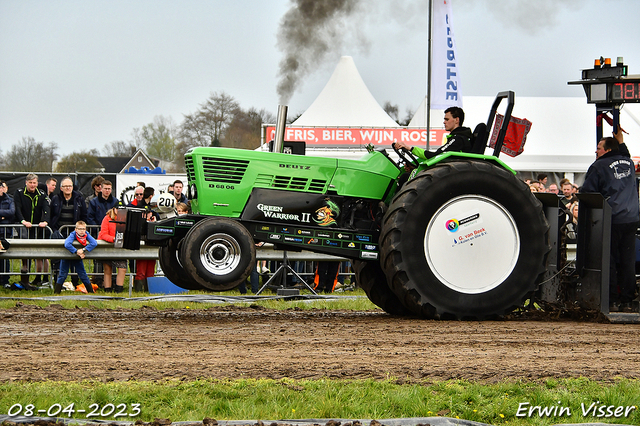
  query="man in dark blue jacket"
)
[
  {"x": 99, "y": 206},
  {"x": 67, "y": 208},
  {"x": 613, "y": 176}
]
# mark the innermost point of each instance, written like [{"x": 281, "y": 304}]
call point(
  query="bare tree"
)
[
  {"x": 83, "y": 161},
  {"x": 31, "y": 156},
  {"x": 206, "y": 126},
  {"x": 244, "y": 129},
  {"x": 158, "y": 138},
  {"x": 120, "y": 149}
]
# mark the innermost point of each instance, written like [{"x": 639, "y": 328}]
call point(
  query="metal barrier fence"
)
[
  {"x": 302, "y": 262},
  {"x": 16, "y": 230},
  {"x": 19, "y": 235},
  {"x": 19, "y": 231}
]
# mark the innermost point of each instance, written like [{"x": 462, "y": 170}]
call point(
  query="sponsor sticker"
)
[
  {"x": 182, "y": 222},
  {"x": 163, "y": 230},
  {"x": 468, "y": 219},
  {"x": 368, "y": 255},
  {"x": 293, "y": 239},
  {"x": 469, "y": 236}
]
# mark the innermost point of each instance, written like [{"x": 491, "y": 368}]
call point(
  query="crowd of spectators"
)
[
  {"x": 564, "y": 189},
  {"x": 567, "y": 193},
  {"x": 39, "y": 211}
]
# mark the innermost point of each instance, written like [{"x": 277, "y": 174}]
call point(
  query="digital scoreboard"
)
[
  {"x": 619, "y": 91},
  {"x": 606, "y": 84},
  {"x": 625, "y": 91}
]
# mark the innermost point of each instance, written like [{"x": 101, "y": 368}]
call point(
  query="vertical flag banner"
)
[{"x": 445, "y": 75}]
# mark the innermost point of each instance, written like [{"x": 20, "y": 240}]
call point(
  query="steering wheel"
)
[{"x": 406, "y": 157}]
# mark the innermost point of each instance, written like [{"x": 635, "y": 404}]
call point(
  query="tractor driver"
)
[{"x": 458, "y": 139}]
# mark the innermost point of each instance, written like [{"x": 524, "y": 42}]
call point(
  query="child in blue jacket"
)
[{"x": 88, "y": 243}]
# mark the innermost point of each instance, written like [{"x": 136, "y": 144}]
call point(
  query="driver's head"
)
[{"x": 453, "y": 118}]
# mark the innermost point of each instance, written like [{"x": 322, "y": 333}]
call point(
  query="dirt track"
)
[{"x": 231, "y": 342}]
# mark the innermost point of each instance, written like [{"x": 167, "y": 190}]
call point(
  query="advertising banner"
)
[
  {"x": 358, "y": 137},
  {"x": 445, "y": 74}
]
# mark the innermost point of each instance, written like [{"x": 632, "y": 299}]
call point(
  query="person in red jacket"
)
[{"x": 108, "y": 233}]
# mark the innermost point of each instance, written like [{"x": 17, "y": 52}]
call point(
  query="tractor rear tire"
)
[
  {"x": 173, "y": 270},
  {"x": 218, "y": 253},
  {"x": 465, "y": 240},
  {"x": 371, "y": 278}
]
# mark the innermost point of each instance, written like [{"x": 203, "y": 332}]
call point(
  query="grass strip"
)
[
  {"x": 559, "y": 400},
  {"x": 358, "y": 303}
]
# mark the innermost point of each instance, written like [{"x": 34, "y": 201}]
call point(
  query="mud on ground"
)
[{"x": 54, "y": 343}]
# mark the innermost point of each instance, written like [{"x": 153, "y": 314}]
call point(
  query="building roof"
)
[
  {"x": 122, "y": 164},
  {"x": 113, "y": 164}
]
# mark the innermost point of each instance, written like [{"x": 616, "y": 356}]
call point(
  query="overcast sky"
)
[{"x": 84, "y": 73}]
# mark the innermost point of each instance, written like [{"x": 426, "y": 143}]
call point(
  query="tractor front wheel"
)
[{"x": 218, "y": 253}]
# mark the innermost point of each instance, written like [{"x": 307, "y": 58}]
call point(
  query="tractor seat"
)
[{"x": 479, "y": 139}]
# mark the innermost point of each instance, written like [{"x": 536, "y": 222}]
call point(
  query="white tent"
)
[{"x": 345, "y": 101}]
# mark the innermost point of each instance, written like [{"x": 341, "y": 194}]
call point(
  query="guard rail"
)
[{"x": 54, "y": 249}]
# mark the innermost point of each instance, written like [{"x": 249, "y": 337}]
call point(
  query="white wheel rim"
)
[
  {"x": 472, "y": 244},
  {"x": 220, "y": 254}
]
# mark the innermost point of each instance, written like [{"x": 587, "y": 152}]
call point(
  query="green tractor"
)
[{"x": 462, "y": 238}]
